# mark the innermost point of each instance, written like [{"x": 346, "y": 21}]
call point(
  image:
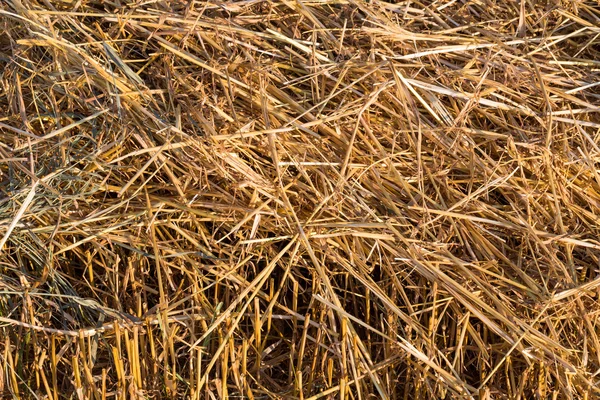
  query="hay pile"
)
[{"x": 299, "y": 199}]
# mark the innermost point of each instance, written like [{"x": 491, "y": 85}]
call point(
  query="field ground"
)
[{"x": 312, "y": 199}]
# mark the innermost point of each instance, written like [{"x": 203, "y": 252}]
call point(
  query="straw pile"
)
[{"x": 299, "y": 199}]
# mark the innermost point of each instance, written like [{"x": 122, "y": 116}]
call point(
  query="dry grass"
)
[{"x": 299, "y": 199}]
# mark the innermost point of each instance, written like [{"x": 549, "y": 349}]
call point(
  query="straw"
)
[{"x": 299, "y": 199}]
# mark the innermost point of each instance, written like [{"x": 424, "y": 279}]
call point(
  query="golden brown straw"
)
[{"x": 329, "y": 199}]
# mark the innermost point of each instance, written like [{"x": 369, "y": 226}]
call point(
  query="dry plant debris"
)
[{"x": 299, "y": 199}]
